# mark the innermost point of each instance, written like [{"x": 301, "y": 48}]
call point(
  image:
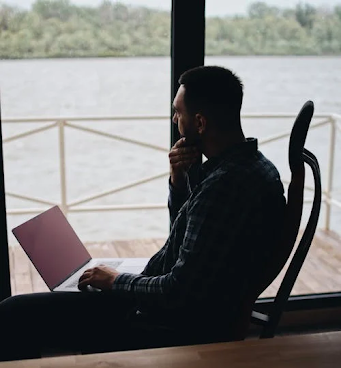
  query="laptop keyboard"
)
[
  {"x": 73, "y": 284},
  {"x": 112, "y": 264}
]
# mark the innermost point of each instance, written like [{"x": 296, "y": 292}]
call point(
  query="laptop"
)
[{"x": 58, "y": 254}]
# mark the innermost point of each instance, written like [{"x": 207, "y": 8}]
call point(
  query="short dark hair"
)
[{"x": 213, "y": 91}]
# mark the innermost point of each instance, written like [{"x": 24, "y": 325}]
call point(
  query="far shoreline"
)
[{"x": 168, "y": 56}]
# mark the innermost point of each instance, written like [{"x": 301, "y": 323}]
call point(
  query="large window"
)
[
  {"x": 85, "y": 95},
  {"x": 286, "y": 55}
]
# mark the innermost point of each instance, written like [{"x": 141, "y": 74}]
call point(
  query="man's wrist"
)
[
  {"x": 179, "y": 181},
  {"x": 178, "y": 189},
  {"x": 116, "y": 281},
  {"x": 114, "y": 278}
]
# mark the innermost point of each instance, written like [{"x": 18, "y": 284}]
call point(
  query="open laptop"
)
[{"x": 59, "y": 255}]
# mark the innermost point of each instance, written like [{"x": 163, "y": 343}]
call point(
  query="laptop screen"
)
[{"x": 52, "y": 245}]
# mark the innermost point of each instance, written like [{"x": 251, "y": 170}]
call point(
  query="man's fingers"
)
[
  {"x": 179, "y": 153},
  {"x": 86, "y": 274},
  {"x": 180, "y": 143},
  {"x": 180, "y": 150},
  {"x": 182, "y": 158},
  {"x": 184, "y": 165},
  {"x": 82, "y": 284}
]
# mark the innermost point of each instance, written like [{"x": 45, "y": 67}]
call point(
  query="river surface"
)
[{"x": 141, "y": 87}]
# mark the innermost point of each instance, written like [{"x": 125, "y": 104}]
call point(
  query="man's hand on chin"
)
[{"x": 99, "y": 277}]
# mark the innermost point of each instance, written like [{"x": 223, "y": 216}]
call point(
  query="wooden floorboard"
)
[{"x": 321, "y": 271}]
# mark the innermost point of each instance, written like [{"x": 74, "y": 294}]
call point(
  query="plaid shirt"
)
[{"x": 223, "y": 230}]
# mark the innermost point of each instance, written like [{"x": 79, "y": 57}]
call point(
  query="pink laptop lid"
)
[{"x": 52, "y": 245}]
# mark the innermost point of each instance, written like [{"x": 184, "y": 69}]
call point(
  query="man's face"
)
[{"x": 186, "y": 122}]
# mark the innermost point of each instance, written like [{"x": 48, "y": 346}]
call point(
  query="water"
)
[{"x": 141, "y": 86}]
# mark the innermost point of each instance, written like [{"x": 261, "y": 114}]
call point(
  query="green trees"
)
[
  {"x": 268, "y": 30},
  {"x": 61, "y": 9},
  {"x": 57, "y": 28},
  {"x": 305, "y": 15}
]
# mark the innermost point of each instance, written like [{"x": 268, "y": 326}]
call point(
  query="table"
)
[{"x": 321, "y": 350}]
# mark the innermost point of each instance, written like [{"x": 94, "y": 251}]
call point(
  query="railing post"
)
[
  {"x": 62, "y": 169},
  {"x": 330, "y": 171}
]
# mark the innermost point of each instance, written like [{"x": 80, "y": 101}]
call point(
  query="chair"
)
[
  {"x": 298, "y": 157},
  {"x": 160, "y": 336}
]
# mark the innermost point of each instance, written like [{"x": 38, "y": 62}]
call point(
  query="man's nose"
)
[{"x": 175, "y": 119}]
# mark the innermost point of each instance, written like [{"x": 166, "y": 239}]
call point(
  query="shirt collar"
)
[{"x": 250, "y": 146}]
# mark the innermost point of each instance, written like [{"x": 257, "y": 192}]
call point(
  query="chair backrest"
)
[
  {"x": 298, "y": 156},
  {"x": 300, "y": 254},
  {"x": 295, "y": 195}
]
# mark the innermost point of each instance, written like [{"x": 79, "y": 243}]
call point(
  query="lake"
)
[{"x": 139, "y": 87}]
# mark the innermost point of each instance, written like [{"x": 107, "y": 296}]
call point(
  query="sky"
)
[{"x": 213, "y": 7}]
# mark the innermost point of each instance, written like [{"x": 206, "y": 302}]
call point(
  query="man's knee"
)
[
  {"x": 21, "y": 307},
  {"x": 12, "y": 303}
]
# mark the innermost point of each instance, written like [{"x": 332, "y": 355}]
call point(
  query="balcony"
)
[{"x": 320, "y": 272}]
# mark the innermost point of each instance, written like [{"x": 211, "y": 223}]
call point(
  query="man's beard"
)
[{"x": 193, "y": 140}]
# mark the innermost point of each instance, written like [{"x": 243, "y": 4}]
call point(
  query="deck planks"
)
[{"x": 320, "y": 272}]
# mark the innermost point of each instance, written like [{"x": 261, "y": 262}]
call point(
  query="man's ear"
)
[{"x": 201, "y": 123}]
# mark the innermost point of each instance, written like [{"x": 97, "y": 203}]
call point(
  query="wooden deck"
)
[{"x": 321, "y": 272}]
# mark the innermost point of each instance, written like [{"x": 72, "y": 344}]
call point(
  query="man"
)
[{"x": 225, "y": 217}]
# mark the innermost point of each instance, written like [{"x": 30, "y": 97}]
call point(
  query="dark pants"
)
[{"x": 59, "y": 322}]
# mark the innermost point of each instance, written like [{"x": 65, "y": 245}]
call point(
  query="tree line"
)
[{"x": 58, "y": 28}]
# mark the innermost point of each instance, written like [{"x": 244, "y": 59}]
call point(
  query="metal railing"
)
[{"x": 329, "y": 200}]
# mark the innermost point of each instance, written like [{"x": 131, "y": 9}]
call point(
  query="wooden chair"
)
[{"x": 298, "y": 157}]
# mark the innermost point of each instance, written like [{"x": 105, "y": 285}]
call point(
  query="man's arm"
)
[
  {"x": 181, "y": 157},
  {"x": 176, "y": 199},
  {"x": 205, "y": 244}
]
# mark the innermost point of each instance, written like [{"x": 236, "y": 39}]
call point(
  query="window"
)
[
  {"x": 286, "y": 55},
  {"x": 85, "y": 91}
]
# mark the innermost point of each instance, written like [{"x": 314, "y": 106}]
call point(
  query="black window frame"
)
[{"x": 187, "y": 51}]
